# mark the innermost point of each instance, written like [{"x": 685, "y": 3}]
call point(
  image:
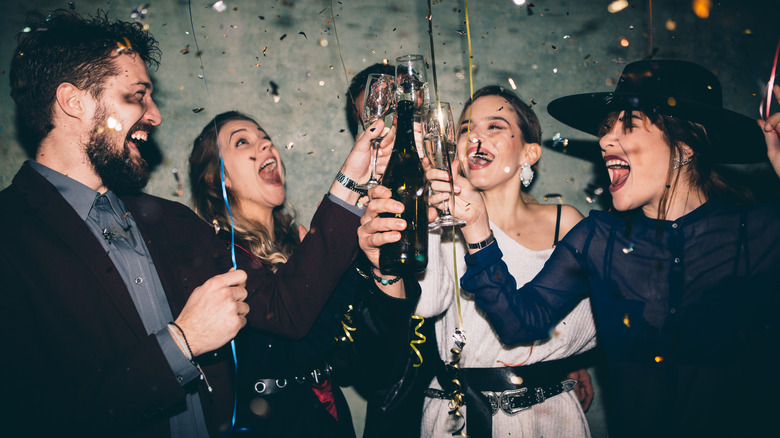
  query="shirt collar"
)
[{"x": 79, "y": 196}]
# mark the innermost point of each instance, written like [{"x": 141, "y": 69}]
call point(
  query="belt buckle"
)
[
  {"x": 493, "y": 400},
  {"x": 507, "y": 398}
]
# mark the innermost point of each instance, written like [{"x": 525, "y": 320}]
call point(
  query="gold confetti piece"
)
[
  {"x": 626, "y": 321},
  {"x": 617, "y": 6},
  {"x": 702, "y": 8}
]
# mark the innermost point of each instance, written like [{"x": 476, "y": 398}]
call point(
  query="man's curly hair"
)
[{"x": 65, "y": 47}]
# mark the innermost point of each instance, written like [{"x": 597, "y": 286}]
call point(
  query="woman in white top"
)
[{"x": 498, "y": 143}]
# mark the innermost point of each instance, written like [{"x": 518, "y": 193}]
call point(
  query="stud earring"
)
[{"x": 526, "y": 174}]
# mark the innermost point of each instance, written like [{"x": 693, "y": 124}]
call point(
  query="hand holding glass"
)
[
  {"x": 378, "y": 103},
  {"x": 438, "y": 131}
]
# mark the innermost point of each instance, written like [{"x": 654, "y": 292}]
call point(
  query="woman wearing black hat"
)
[{"x": 683, "y": 282}]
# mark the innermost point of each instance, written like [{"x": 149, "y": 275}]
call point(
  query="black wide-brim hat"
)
[{"x": 675, "y": 88}]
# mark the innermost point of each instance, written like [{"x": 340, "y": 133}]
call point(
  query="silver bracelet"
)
[
  {"x": 348, "y": 183},
  {"x": 484, "y": 243}
]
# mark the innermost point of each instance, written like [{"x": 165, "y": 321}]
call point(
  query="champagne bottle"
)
[{"x": 404, "y": 176}]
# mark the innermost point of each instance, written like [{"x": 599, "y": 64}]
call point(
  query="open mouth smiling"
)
[
  {"x": 137, "y": 138},
  {"x": 269, "y": 171},
  {"x": 619, "y": 169},
  {"x": 478, "y": 158}
]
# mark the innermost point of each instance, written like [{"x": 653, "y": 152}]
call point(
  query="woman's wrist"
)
[
  {"x": 390, "y": 285},
  {"x": 476, "y": 232},
  {"x": 476, "y": 246},
  {"x": 344, "y": 188}
]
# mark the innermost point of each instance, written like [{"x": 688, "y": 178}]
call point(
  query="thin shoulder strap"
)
[{"x": 557, "y": 226}]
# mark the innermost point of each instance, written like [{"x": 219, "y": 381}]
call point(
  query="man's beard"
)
[{"x": 119, "y": 171}]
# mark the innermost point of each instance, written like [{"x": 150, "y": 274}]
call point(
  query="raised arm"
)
[
  {"x": 771, "y": 128},
  {"x": 531, "y": 312}
]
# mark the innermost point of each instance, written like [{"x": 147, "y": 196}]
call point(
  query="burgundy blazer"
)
[{"x": 76, "y": 358}]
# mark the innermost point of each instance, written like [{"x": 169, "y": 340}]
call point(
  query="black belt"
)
[
  {"x": 513, "y": 401},
  {"x": 507, "y": 389},
  {"x": 510, "y": 389},
  {"x": 271, "y": 386}
]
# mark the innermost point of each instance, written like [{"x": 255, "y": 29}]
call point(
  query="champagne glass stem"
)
[{"x": 373, "y": 180}]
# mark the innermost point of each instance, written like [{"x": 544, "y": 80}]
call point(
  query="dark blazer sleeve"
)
[
  {"x": 187, "y": 252},
  {"x": 287, "y": 302}
]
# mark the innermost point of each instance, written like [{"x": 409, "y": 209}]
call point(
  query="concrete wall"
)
[{"x": 548, "y": 48}]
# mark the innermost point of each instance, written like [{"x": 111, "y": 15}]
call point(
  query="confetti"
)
[
  {"x": 289, "y": 145},
  {"x": 702, "y": 8},
  {"x": 197, "y": 110},
  {"x": 629, "y": 249},
  {"x": 139, "y": 12},
  {"x": 179, "y": 190},
  {"x": 558, "y": 140},
  {"x": 658, "y": 359},
  {"x": 219, "y": 6},
  {"x": 617, "y": 6},
  {"x": 185, "y": 50},
  {"x": 512, "y": 84},
  {"x": 114, "y": 124},
  {"x": 626, "y": 321}
]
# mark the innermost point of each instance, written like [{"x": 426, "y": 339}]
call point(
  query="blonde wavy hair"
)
[{"x": 206, "y": 186}]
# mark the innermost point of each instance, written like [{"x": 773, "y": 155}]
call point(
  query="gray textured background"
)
[{"x": 550, "y": 49}]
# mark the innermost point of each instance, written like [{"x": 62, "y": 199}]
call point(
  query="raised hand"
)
[
  {"x": 771, "y": 128},
  {"x": 215, "y": 312},
  {"x": 376, "y": 231},
  {"x": 468, "y": 206},
  {"x": 584, "y": 387}
]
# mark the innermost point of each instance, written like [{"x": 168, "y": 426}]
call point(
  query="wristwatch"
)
[
  {"x": 484, "y": 243},
  {"x": 348, "y": 183}
]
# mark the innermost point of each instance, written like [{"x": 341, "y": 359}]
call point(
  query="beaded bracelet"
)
[
  {"x": 384, "y": 281},
  {"x": 187, "y": 344},
  {"x": 191, "y": 356}
]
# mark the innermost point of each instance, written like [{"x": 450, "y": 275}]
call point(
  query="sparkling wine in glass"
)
[
  {"x": 378, "y": 103},
  {"x": 438, "y": 131}
]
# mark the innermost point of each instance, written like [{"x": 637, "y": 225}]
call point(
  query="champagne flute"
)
[
  {"x": 412, "y": 81},
  {"x": 438, "y": 129},
  {"x": 378, "y": 103}
]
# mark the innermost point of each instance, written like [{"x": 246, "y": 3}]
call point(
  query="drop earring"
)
[
  {"x": 526, "y": 174},
  {"x": 680, "y": 162}
]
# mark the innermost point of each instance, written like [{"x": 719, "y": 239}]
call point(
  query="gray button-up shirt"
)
[{"x": 114, "y": 227}]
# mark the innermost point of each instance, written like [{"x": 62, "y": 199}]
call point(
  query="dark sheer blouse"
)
[{"x": 675, "y": 303}]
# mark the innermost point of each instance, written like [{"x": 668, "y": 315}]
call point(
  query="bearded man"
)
[{"x": 116, "y": 305}]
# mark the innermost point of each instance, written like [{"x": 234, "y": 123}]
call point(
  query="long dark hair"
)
[
  {"x": 699, "y": 173},
  {"x": 206, "y": 186}
]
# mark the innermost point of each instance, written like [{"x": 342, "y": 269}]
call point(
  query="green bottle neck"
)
[{"x": 404, "y": 137}]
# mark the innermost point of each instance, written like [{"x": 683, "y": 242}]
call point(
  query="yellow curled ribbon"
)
[
  {"x": 347, "y": 326},
  {"x": 420, "y": 339}
]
